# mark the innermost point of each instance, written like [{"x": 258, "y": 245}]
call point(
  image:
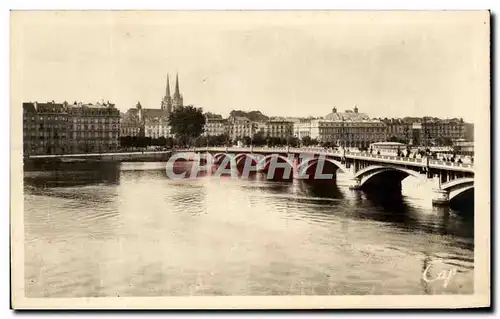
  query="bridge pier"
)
[
  {"x": 355, "y": 184},
  {"x": 441, "y": 197},
  {"x": 442, "y": 182}
]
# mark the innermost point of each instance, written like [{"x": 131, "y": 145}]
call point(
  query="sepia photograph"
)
[{"x": 250, "y": 159}]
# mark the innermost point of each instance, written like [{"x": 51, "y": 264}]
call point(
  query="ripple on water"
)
[{"x": 146, "y": 235}]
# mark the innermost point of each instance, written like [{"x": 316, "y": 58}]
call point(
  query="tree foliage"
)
[
  {"x": 307, "y": 141},
  {"x": 187, "y": 123},
  {"x": 259, "y": 139}
]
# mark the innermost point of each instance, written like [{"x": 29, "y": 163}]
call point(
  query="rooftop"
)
[{"x": 348, "y": 115}]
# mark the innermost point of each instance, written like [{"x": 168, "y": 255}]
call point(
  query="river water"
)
[{"x": 128, "y": 230}]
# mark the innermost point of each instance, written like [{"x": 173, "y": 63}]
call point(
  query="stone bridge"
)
[{"x": 366, "y": 171}]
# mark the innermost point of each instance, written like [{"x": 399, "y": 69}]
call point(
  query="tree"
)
[
  {"x": 218, "y": 140},
  {"x": 393, "y": 139},
  {"x": 187, "y": 123},
  {"x": 169, "y": 142},
  {"x": 306, "y": 141},
  {"x": 259, "y": 139},
  {"x": 293, "y": 141},
  {"x": 200, "y": 141},
  {"x": 270, "y": 141},
  {"x": 162, "y": 141},
  {"x": 246, "y": 140},
  {"x": 327, "y": 144},
  {"x": 447, "y": 141}
]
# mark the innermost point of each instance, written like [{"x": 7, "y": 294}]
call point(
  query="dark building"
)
[
  {"x": 45, "y": 128},
  {"x": 59, "y": 128},
  {"x": 469, "y": 132}
]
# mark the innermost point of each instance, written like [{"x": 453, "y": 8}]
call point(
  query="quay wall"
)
[{"x": 90, "y": 161}]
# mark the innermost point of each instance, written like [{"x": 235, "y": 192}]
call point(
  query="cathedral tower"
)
[
  {"x": 166, "y": 102},
  {"x": 177, "y": 99}
]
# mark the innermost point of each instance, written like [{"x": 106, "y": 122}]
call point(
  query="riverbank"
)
[{"x": 89, "y": 161}]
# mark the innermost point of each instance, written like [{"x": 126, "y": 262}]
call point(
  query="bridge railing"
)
[
  {"x": 454, "y": 164},
  {"x": 318, "y": 150}
]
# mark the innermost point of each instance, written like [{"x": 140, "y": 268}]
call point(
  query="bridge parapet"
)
[
  {"x": 366, "y": 167},
  {"x": 392, "y": 159}
]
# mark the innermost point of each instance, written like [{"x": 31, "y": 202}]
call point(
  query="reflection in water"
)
[
  {"x": 86, "y": 173},
  {"x": 321, "y": 189},
  {"x": 131, "y": 231}
]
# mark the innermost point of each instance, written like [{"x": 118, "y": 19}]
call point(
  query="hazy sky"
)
[{"x": 284, "y": 64}]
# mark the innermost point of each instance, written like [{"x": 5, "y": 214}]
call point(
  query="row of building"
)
[
  {"x": 349, "y": 128},
  {"x": 55, "y": 128},
  {"x": 59, "y": 128}
]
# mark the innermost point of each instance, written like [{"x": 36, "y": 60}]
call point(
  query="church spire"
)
[
  {"x": 177, "y": 85},
  {"x": 177, "y": 100},
  {"x": 167, "y": 91}
]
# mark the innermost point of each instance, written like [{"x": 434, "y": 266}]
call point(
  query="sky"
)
[{"x": 389, "y": 64}]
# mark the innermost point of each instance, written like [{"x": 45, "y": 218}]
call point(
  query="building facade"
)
[
  {"x": 435, "y": 132},
  {"x": 60, "y": 128},
  {"x": 130, "y": 125},
  {"x": 469, "y": 131},
  {"x": 353, "y": 133},
  {"x": 93, "y": 127},
  {"x": 398, "y": 129},
  {"x": 439, "y": 132},
  {"x": 302, "y": 128},
  {"x": 156, "y": 127},
  {"x": 45, "y": 128},
  {"x": 239, "y": 127},
  {"x": 349, "y": 128},
  {"x": 279, "y": 128},
  {"x": 216, "y": 126}
]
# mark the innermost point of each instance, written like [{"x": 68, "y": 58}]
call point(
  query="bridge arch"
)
[
  {"x": 264, "y": 162},
  {"x": 380, "y": 168},
  {"x": 457, "y": 193},
  {"x": 384, "y": 177},
  {"x": 280, "y": 172},
  {"x": 242, "y": 156},
  {"x": 306, "y": 165},
  {"x": 252, "y": 160},
  {"x": 217, "y": 157},
  {"x": 458, "y": 183}
]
